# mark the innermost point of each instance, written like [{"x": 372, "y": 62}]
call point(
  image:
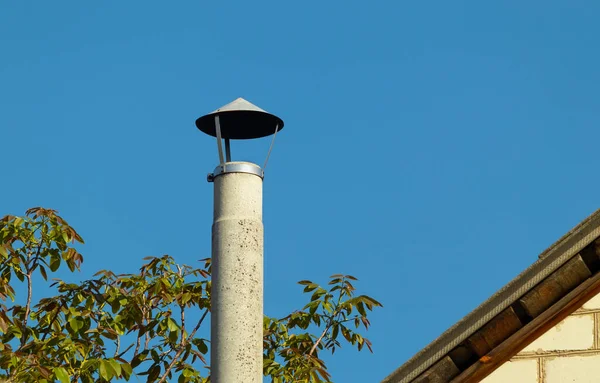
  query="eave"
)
[{"x": 559, "y": 282}]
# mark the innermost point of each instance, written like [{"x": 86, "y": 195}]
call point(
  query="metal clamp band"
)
[{"x": 235, "y": 167}]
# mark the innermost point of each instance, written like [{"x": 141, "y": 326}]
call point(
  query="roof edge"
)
[{"x": 549, "y": 261}]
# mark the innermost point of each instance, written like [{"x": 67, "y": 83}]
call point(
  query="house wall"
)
[{"x": 568, "y": 352}]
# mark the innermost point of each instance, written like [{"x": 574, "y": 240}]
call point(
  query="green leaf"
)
[
  {"x": 43, "y": 272},
  {"x": 372, "y": 302},
  {"x": 115, "y": 366},
  {"x": 139, "y": 358},
  {"x": 105, "y": 370},
  {"x": 318, "y": 294},
  {"x": 75, "y": 323},
  {"x": 115, "y": 306},
  {"x": 361, "y": 308},
  {"x": 61, "y": 374},
  {"x": 327, "y": 307},
  {"x": 172, "y": 325},
  {"x": 54, "y": 262},
  {"x": 154, "y": 355},
  {"x": 335, "y": 331},
  {"x": 202, "y": 347},
  {"x": 173, "y": 336},
  {"x": 126, "y": 370},
  {"x": 346, "y": 334},
  {"x": 153, "y": 373},
  {"x": 313, "y": 306},
  {"x": 310, "y": 287},
  {"x": 14, "y": 330}
]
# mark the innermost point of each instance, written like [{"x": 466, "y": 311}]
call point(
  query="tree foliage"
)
[{"x": 112, "y": 327}]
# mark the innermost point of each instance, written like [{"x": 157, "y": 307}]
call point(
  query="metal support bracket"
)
[{"x": 270, "y": 147}]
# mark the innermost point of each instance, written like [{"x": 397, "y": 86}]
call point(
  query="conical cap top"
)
[
  {"x": 239, "y": 104},
  {"x": 240, "y": 119}
]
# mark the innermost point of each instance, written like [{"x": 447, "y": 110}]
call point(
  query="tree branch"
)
[
  {"x": 60, "y": 306},
  {"x": 331, "y": 321},
  {"x": 27, "y": 308},
  {"x": 182, "y": 347},
  {"x": 314, "y": 347},
  {"x": 138, "y": 341},
  {"x": 137, "y": 347},
  {"x": 29, "y": 268},
  {"x": 182, "y": 323},
  {"x": 118, "y": 346},
  {"x": 124, "y": 351}
]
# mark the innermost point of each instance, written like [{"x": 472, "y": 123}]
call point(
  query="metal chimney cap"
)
[{"x": 240, "y": 120}]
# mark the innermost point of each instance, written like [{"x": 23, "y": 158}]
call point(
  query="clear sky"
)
[{"x": 432, "y": 149}]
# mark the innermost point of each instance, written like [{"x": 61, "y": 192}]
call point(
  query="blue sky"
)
[{"x": 432, "y": 149}]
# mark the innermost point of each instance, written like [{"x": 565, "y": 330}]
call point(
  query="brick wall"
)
[{"x": 568, "y": 352}]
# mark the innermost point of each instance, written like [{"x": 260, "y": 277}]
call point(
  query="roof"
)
[{"x": 564, "y": 277}]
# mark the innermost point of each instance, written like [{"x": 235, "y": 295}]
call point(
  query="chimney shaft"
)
[{"x": 237, "y": 277}]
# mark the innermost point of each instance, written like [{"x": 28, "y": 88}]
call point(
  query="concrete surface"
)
[{"x": 237, "y": 280}]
